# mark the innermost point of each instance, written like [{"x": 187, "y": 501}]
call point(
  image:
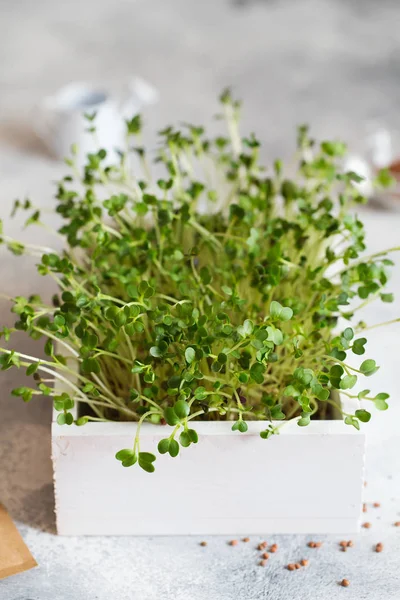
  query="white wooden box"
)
[{"x": 305, "y": 480}]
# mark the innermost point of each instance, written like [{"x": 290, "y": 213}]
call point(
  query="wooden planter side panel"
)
[{"x": 229, "y": 483}]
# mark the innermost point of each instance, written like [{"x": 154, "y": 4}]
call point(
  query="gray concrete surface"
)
[{"x": 331, "y": 63}]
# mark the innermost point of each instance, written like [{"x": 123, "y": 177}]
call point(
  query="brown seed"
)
[
  {"x": 343, "y": 543},
  {"x": 364, "y": 507},
  {"x": 274, "y": 548},
  {"x": 262, "y": 546},
  {"x": 379, "y": 547},
  {"x": 246, "y": 540},
  {"x": 397, "y": 524},
  {"x": 345, "y": 583},
  {"x": 365, "y": 484},
  {"x": 265, "y": 556},
  {"x": 233, "y": 543},
  {"x": 263, "y": 563},
  {"x": 318, "y": 544},
  {"x": 203, "y": 543},
  {"x": 297, "y": 566},
  {"x": 304, "y": 562},
  {"x": 344, "y": 549},
  {"x": 366, "y": 525},
  {"x": 311, "y": 544},
  {"x": 350, "y": 543},
  {"x": 291, "y": 567},
  {"x": 376, "y": 504}
]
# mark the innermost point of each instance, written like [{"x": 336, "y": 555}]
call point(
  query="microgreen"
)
[{"x": 216, "y": 292}]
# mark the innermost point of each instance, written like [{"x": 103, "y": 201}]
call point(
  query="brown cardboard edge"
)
[
  {"x": 29, "y": 563},
  {"x": 8, "y": 528}
]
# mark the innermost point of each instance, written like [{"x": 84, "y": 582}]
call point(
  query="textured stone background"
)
[{"x": 332, "y": 63}]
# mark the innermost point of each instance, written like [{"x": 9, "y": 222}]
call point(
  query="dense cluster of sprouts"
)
[{"x": 212, "y": 293}]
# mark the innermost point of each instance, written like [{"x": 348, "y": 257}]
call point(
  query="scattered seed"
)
[
  {"x": 274, "y": 548},
  {"x": 314, "y": 544},
  {"x": 366, "y": 525},
  {"x": 343, "y": 543},
  {"x": 233, "y": 543},
  {"x": 297, "y": 566},
  {"x": 344, "y": 549},
  {"x": 345, "y": 583},
  {"x": 397, "y": 524},
  {"x": 265, "y": 556},
  {"x": 379, "y": 547},
  {"x": 376, "y": 504},
  {"x": 350, "y": 543},
  {"x": 246, "y": 540},
  {"x": 263, "y": 563},
  {"x": 364, "y": 508},
  {"x": 262, "y": 546},
  {"x": 304, "y": 562},
  {"x": 365, "y": 484},
  {"x": 291, "y": 567},
  {"x": 203, "y": 543}
]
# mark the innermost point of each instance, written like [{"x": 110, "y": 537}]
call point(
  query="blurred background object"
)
[
  {"x": 87, "y": 118},
  {"x": 331, "y": 63}
]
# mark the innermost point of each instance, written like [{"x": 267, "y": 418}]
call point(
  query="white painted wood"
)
[{"x": 305, "y": 480}]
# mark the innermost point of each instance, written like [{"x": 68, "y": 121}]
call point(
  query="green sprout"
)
[{"x": 212, "y": 293}]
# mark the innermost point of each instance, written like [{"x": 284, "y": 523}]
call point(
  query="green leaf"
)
[
  {"x": 348, "y": 382},
  {"x": 146, "y": 466},
  {"x": 173, "y": 448},
  {"x": 200, "y": 393},
  {"x": 124, "y": 454},
  {"x": 190, "y": 355},
  {"x": 352, "y": 421},
  {"x": 156, "y": 352},
  {"x": 384, "y": 179},
  {"x": 61, "y": 419},
  {"x": 147, "y": 456},
  {"x": 171, "y": 417},
  {"x": 205, "y": 275},
  {"x": 286, "y": 313},
  {"x": 279, "y": 312},
  {"x": 246, "y": 329},
  {"x": 267, "y": 433},
  {"x": 194, "y": 438},
  {"x": 276, "y": 413},
  {"x": 227, "y": 290},
  {"x": 184, "y": 439},
  {"x": 381, "y": 404},
  {"x": 358, "y": 346},
  {"x": 181, "y": 409},
  {"x": 257, "y": 373},
  {"x": 368, "y": 367},
  {"x": 275, "y": 335},
  {"x": 291, "y": 392},
  {"x": 48, "y": 348},
  {"x": 163, "y": 446},
  {"x": 363, "y": 415},
  {"x": 387, "y": 297},
  {"x": 146, "y": 461},
  {"x": 348, "y": 334},
  {"x": 275, "y": 309}
]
